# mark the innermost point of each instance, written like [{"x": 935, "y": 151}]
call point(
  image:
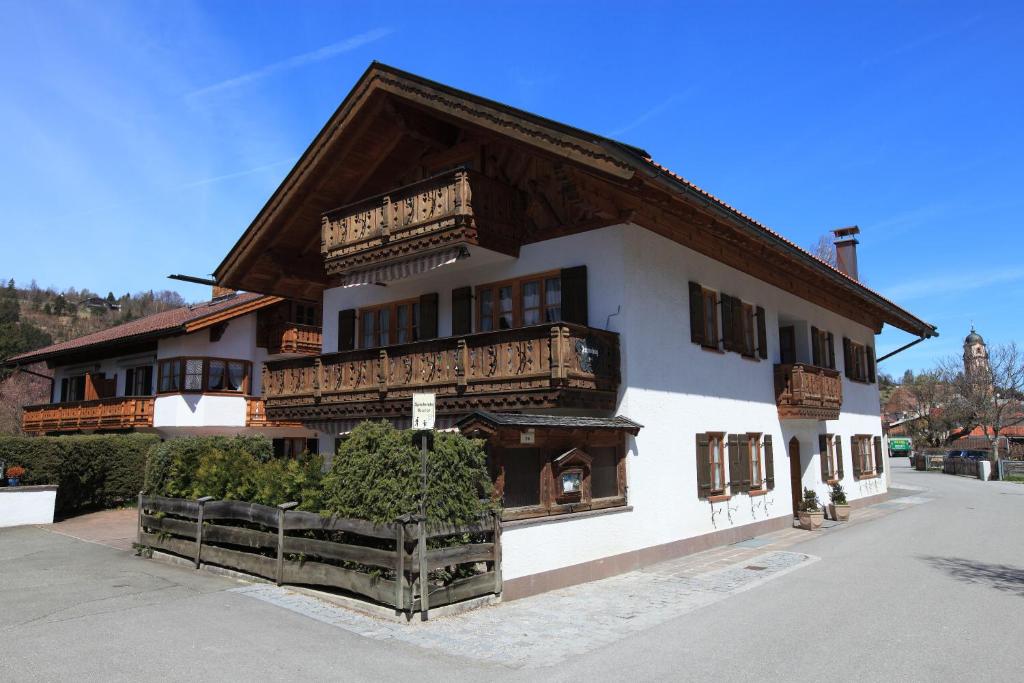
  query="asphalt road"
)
[{"x": 932, "y": 592}]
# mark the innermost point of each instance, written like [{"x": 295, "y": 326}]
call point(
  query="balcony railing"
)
[
  {"x": 456, "y": 207},
  {"x": 807, "y": 392},
  {"x": 256, "y": 415},
  {"x": 542, "y": 366},
  {"x": 125, "y": 412},
  {"x": 294, "y": 338}
]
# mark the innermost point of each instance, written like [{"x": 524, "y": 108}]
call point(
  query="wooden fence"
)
[
  {"x": 389, "y": 564},
  {"x": 1011, "y": 468}
]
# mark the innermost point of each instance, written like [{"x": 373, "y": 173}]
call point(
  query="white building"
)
[{"x": 187, "y": 371}]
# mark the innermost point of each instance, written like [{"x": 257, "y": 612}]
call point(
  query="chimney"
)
[
  {"x": 219, "y": 291},
  {"x": 846, "y": 250}
]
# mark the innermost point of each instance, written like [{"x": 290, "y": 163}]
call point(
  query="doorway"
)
[{"x": 795, "y": 473}]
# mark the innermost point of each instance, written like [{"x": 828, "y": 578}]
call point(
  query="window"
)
[
  {"x": 822, "y": 349},
  {"x": 394, "y": 323},
  {"x": 138, "y": 381},
  {"x": 521, "y": 486},
  {"x": 527, "y": 301},
  {"x": 859, "y": 360},
  {"x": 716, "y": 459},
  {"x": 202, "y": 374},
  {"x": 862, "y": 452},
  {"x": 293, "y": 447},
  {"x": 604, "y": 471},
  {"x": 306, "y": 314},
  {"x": 747, "y": 324},
  {"x": 831, "y": 469},
  {"x": 756, "y": 462},
  {"x": 72, "y": 388}
]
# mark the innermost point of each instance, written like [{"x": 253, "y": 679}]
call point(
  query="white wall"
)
[
  {"x": 237, "y": 342},
  {"x": 27, "y": 505}
]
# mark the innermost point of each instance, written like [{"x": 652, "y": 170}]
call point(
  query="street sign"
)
[{"x": 423, "y": 410}]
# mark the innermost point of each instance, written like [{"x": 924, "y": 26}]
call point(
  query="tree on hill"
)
[{"x": 10, "y": 309}]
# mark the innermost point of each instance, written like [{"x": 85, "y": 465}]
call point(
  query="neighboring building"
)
[
  {"x": 190, "y": 370},
  {"x": 654, "y": 371}
]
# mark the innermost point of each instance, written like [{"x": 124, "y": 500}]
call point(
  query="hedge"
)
[
  {"x": 90, "y": 471},
  {"x": 171, "y": 468}
]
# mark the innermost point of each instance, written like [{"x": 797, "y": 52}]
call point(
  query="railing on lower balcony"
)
[
  {"x": 256, "y": 415},
  {"x": 542, "y": 366},
  {"x": 807, "y": 392},
  {"x": 294, "y": 338},
  {"x": 123, "y": 412}
]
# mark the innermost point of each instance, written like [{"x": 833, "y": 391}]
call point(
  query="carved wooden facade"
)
[
  {"x": 113, "y": 414},
  {"x": 542, "y": 366},
  {"x": 457, "y": 207},
  {"x": 807, "y": 392}
]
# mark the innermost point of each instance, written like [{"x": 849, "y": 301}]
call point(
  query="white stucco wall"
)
[
  {"x": 673, "y": 387},
  {"x": 27, "y": 505}
]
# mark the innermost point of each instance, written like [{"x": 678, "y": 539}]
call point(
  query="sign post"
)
[{"x": 423, "y": 413}]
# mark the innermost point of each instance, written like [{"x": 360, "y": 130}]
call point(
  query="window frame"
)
[
  {"x": 720, "y": 438},
  {"x": 859, "y": 359},
  {"x": 867, "y": 456},
  {"x": 830, "y": 459},
  {"x": 412, "y": 327},
  {"x": 755, "y": 455},
  {"x": 820, "y": 342},
  {"x": 518, "y": 312},
  {"x": 179, "y": 377},
  {"x": 131, "y": 391}
]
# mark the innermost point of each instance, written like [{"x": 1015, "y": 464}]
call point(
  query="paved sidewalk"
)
[{"x": 114, "y": 528}]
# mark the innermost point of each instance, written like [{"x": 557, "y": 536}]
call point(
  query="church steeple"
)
[{"x": 975, "y": 355}]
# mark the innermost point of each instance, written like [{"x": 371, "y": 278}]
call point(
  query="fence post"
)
[
  {"x": 424, "y": 573},
  {"x": 400, "y": 566},
  {"x": 281, "y": 509},
  {"x": 138, "y": 532},
  {"x": 199, "y": 527},
  {"x": 497, "y": 552}
]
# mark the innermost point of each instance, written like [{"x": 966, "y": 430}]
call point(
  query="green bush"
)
[
  {"x": 90, "y": 471},
  {"x": 172, "y": 465},
  {"x": 376, "y": 476}
]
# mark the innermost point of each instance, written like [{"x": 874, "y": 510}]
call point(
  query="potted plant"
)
[
  {"x": 810, "y": 513},
  {"x": 838, "y": 509},
  {"x": 14, "y": 474}
]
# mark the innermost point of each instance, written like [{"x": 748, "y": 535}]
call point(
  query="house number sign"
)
[{"x": 586, "y": 355}]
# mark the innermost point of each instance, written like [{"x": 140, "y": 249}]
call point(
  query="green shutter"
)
[
  {"x": 769, "y": 462},
  {"x": 574, "y": 295},
  {"x": 823, "y": 456},
  {"x": 703, "y": 467},
  {"x": 762, "y": 334},
  {"x": 696, "y": 314},
  {"x": 841, "y": 472},
  {"x": 462, "y": 310},
  {"x": 879, "y": 456}
]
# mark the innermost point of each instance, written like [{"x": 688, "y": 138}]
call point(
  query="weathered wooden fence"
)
[
  {"x": 389, "y": 564},
  {"x": 964, "y": 466},
  {"x": 1011, "y": 468}
]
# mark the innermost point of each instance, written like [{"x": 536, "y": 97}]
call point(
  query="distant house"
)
[
  {"x": 190, "y": 370},
  {"x": 96, "y": 303},
  {"x": 653, "y": 371}
]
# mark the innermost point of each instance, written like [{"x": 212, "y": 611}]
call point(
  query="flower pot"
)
[
  {"x": 13, "y": 481},
  {"x": 840, "y": 513},
  {"x": 811, "y": 520}
]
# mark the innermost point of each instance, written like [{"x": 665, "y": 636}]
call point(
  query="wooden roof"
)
[{"x": 394, "y": 128}]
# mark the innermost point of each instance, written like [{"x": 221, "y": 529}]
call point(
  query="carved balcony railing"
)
[
  {"x": 294, "y": 338},
  {"x": 125, "y": 412},
  {"x": 542, "y": 366},
  {"x": 456, "y": 207},
  {"x": 807, "y": 392},
  {"x": 256, "y": 415}
]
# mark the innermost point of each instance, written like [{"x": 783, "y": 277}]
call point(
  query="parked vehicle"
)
[{"x": 975, "y": 455}]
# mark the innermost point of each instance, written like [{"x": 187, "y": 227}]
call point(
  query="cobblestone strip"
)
[{"x": 536, "y": 631}]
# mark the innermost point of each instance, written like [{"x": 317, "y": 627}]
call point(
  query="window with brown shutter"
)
[
  {"x": 736, "y": 457},
  {"x": 879, "y": 456},
  {"x": 862, "y": 455},
  {"x": 769, "y": 462},
  {"x": 711, "y": 464},
  {"x": 827, "y": 455},
  {"x": 533, "y": 300},
  {"x": 839, "y": 457},
  {"x": 823, "y": 353},
  {"x": 710, "y": 337},
  {"x": 762, "y": 333},
  {"x": 397, "y": 322},
  {"x": 859, "y": 360},
  {"x": 703, "y": 466},
  {"x": 696, "y": 314}
]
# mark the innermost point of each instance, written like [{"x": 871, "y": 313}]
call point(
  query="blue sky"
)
[{"x": 140, "y": 138}]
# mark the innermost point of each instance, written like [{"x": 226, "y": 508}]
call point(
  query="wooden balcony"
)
[
  {"x": 456, "y": 207},
  {"x": 807, "y": 392},
  {"x": 125, "y": 412},
  {"x": 256, "y": 415},
  {"x": 293, "y": 338},
  {"x": 543, "y": 366}
]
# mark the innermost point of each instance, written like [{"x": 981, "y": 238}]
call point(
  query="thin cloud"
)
[
  {"x": 237, "y": 174},
  {"x": 651, "y": 113},
  {"x": 295, "y": 62},
  {"x": 952, "y": 284}
]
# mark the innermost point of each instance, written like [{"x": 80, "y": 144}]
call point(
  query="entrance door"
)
[
  {"x": 787, "y": 345},
  {"x": 795, "y": 472}
]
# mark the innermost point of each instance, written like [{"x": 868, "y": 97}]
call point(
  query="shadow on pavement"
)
[{"x": 1002, "y": 577}]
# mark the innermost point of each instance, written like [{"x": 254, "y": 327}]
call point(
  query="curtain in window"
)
[
  {"x": 215, "y": 376},
  {"x": 236, "y": 375}
]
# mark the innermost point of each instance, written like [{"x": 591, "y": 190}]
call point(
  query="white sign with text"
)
[{"x": 423, "y": 410}]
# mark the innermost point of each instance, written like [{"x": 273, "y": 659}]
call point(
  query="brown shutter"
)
[
  {"x": 148, "y": 383},
  {"x": 574, "y": 295},
  {"x": 762, "y": 334},
  {"x": 847, "y": 359},
  {"x": 347, "y": 329},
  {"x": 879, "y": 456},
  {"x": 745, "y": 462},
  {"x": 831, "y": 351},
  {"x": 696, "y": 314},
  {"x": 840, "y": 471},
  {"x": 815, "y": 347},
  {"x": 769, "y": 462},
  {"x": 129, "y": 379},
  {"x": 462, "y": 310},
  {"x": 856, "y": 458},
  {"x": 727, "y": 326},
  {"x": 735, "y": 464},
  {"x": 64, "y": 390},
  {"x": 428, "y": 316},
  {"x": 703, "y": 467},
  {"x": 739, "y": 340},
  {"x": 869, "y": 352},
  {"x": 823, "y": 456}
]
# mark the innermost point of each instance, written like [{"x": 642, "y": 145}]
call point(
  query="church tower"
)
[{"x": 975, "y": 356}]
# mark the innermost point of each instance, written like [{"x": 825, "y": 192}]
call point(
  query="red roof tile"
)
[{"x": 166, "y": 323}]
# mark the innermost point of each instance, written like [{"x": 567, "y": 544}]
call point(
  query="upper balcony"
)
[
  {"x": 556, "y": 365},
  {"x": 807, "y": 392},
  {"x": 289, "y": 337},
  {"x": 455, "y": 207},
  {"x": 120, "y": 413}
]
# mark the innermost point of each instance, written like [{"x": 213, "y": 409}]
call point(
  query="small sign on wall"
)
[
  {"x": 423, "y": 411},
  {"x": 528, "y": 436}
]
